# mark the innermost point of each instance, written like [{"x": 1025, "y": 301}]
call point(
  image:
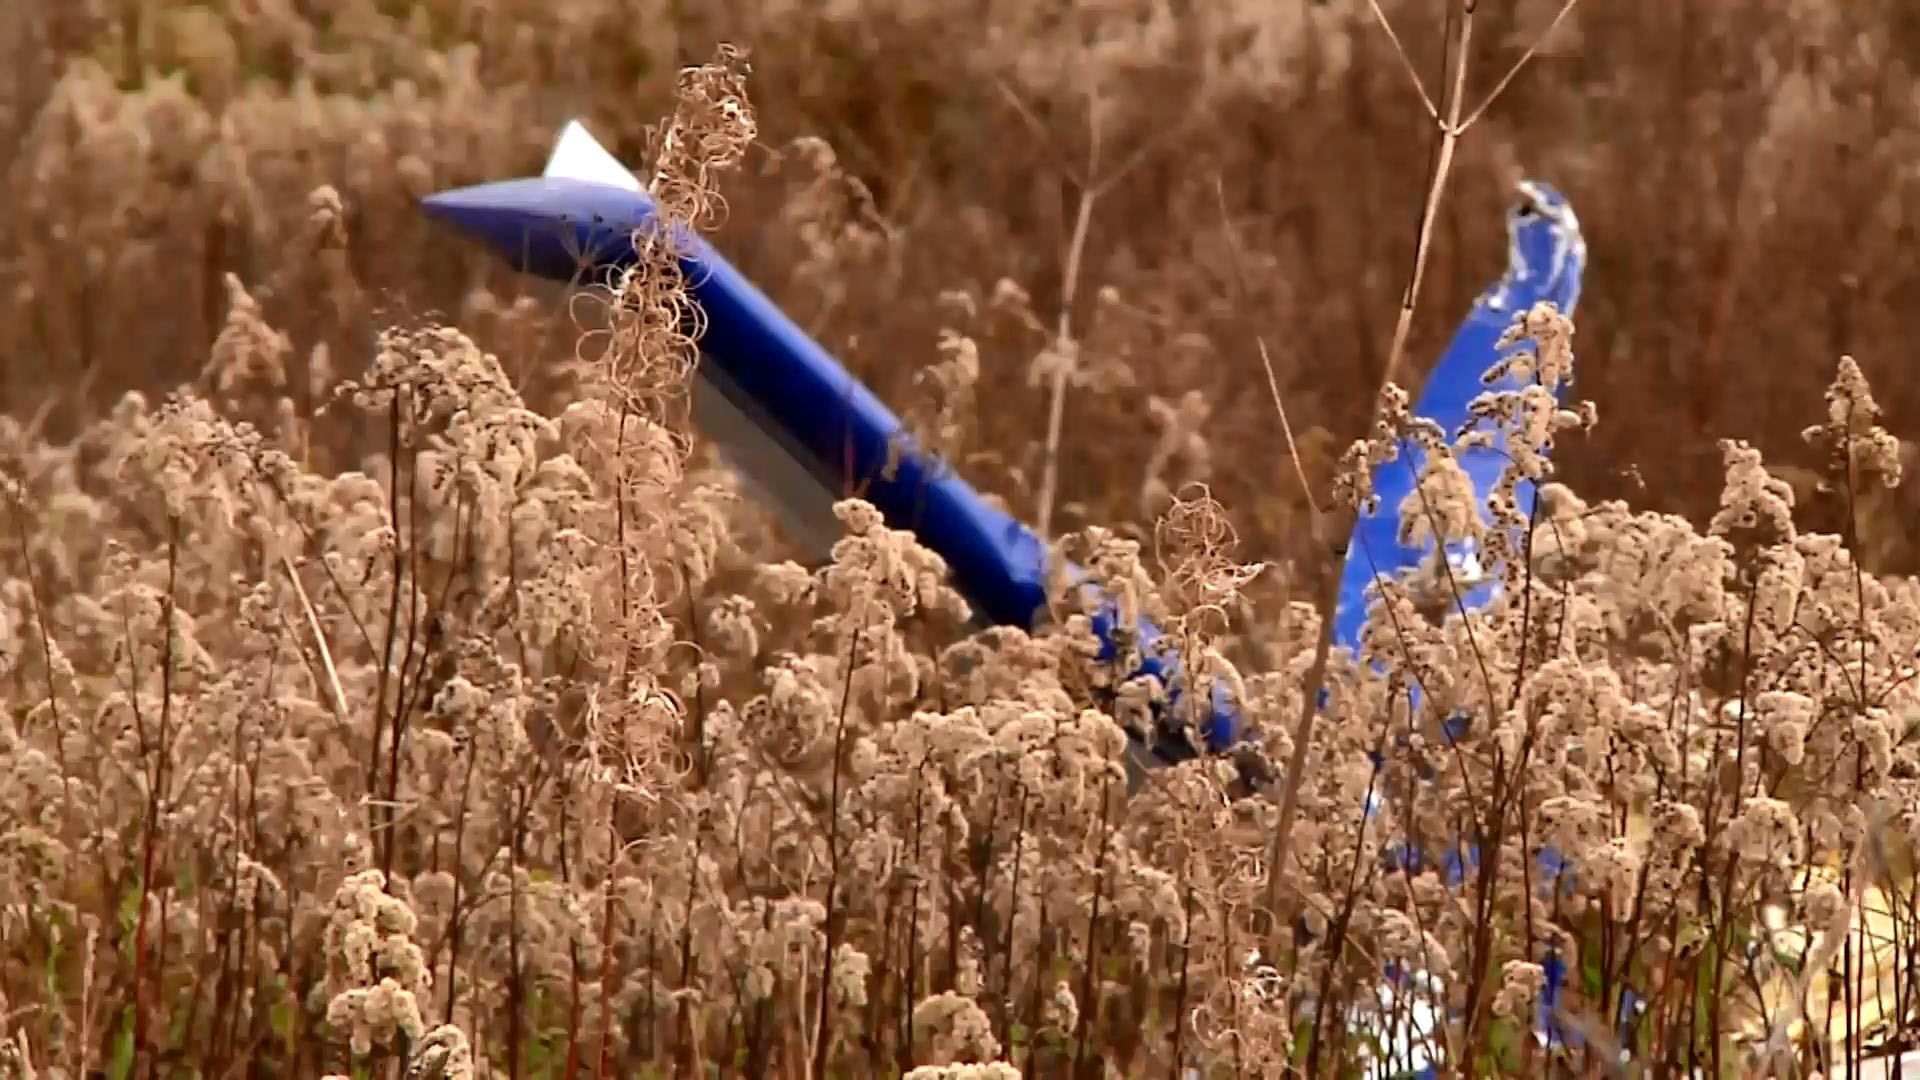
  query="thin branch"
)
[
  {"x": 1436, "y": 189},
  {"x": 1092, "y": 183},
  {"x": 319, "y": 641},
  {"x": 1406, "y": 62},
  {"x": 1501, "y": 87},
  {"x": 1158, "y": 141},
  {"x": 1044, "y": 138},
  {"x": 1330, "y": 590},
  {"x": 1063, "y": 331},
  {"x": 1266, "y": 359}
]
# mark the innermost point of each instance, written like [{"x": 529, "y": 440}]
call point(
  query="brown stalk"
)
[
  {"x": 1450, "y": 131},
  {"x": 1092, "y": 184},
  {"x": 1044, "y": 957},
  {"x": 1089, "y": 998},
  {"x": 759, "y": 1046},
  {"x": 912, "y": 957},
  {"x": 605, "y": 1058},
  {"x": 687, "y": 1053},
  {"x": 1722, "y": 915},
  {"x": 454, "y": 922},
  {"x": 267, "y": 481},
  {"x": 1004, "y": 997},
  {"x": 1175, "y": 1068},
  {"x": 1330, "y": 589},
  {"x": 1853, "y": 992},
  {"x": 823, "y": 1025},
  {"x": 1324, "y": 999},
  {"x": 699, "y": 732},
  {"x": 873, "y": 1035},
  {"x": 573, "y": 945},
  {"x": 985, "y": 882},
  {"x": 652, "y": 1029},
  {"x": 335, "y": 696},
  {"x": 950, "y": 889},
  {"x": 408, "y": 686},
  {"x": 156, "y": 782},
  {"x": 1063, "y": 329},
  {"x": 46, "y": 650},
  {"x": 516, "y": 980},
  {"x": 391, "y": 633}
]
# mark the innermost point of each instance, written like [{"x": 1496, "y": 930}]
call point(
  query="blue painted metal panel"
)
[{"x": 568, "y": 229}]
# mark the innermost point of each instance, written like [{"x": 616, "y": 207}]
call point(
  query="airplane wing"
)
[{"x": 1546, "y": 259}]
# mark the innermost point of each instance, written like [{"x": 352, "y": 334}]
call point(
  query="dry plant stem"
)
[
  {"x": 391, "y": 633},
  {"x": 1089, "y": 1000},
  {"x": 984, "y": 873},
  {"x": 1450, "y": 131},
  {"x": 336, "y": 697},
  {"x": 758, "y": 1045},
  {"x": 1316, "y": 675},
  {"x": 1853, "y": 991},
  {"x": 1406, "y": 62},
  {"x": 699, "y": 725},
  {"x": 949, "y": 872},
  {"x": 1063, "y": 331},
  {"x": 1233, "y": 1001},
  {"x": 733, "y": 1024},
  {"x": 455, "y": 923},
  {"x": 1512, "y": 72},
  {"x": 516, "y": 1000},
  {"x": 83, "y": 1041},
  {"x": 1003, "y": 1000},
  {"x": 307, "y": 538},
  {"x": 912, "y": 959},
  {"x": 1722, "y": 917},
  {"x": 1314, "y": 514},
  {"x": 823, "y": 1027},
  {"x": 1045, "y": 958},
  {"x": 652, "y": 1029},
  {"x": 1506, "y": 787},
  {"x": 1092, "y": 186},
  {"x": 46, "y": 650},
  {"x": 573, "y": 944},
  {"x": 408, "y": 683},
  {"x": 688, "y": 1024},
  {"x": 156, "y": 781},
  {"x": 1337, "y": 932},
  {"x": 604, "y": 1060},
  {"x": 889, "y": 922},
  {"x": 797, "y": 1038},
  {"x": 1175, "y": 1066}
]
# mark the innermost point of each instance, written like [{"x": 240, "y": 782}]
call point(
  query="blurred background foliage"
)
[{"x": 1747, "y": 171}]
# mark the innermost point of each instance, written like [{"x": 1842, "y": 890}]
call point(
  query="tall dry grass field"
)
[{"x": 395, "y": 686}]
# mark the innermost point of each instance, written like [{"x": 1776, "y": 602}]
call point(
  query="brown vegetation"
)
[{"x": 386, "y": 698}]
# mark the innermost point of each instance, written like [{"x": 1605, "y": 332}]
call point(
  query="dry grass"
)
[{"x": 386, "y": 698}]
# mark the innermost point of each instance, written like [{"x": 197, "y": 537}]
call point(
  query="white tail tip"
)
[{"x": 577, "y": 155}]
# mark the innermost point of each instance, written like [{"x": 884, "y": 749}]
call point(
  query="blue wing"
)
[
  {"x": 778, "y": 403},
  {"x": 1546, "y": 259}
]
